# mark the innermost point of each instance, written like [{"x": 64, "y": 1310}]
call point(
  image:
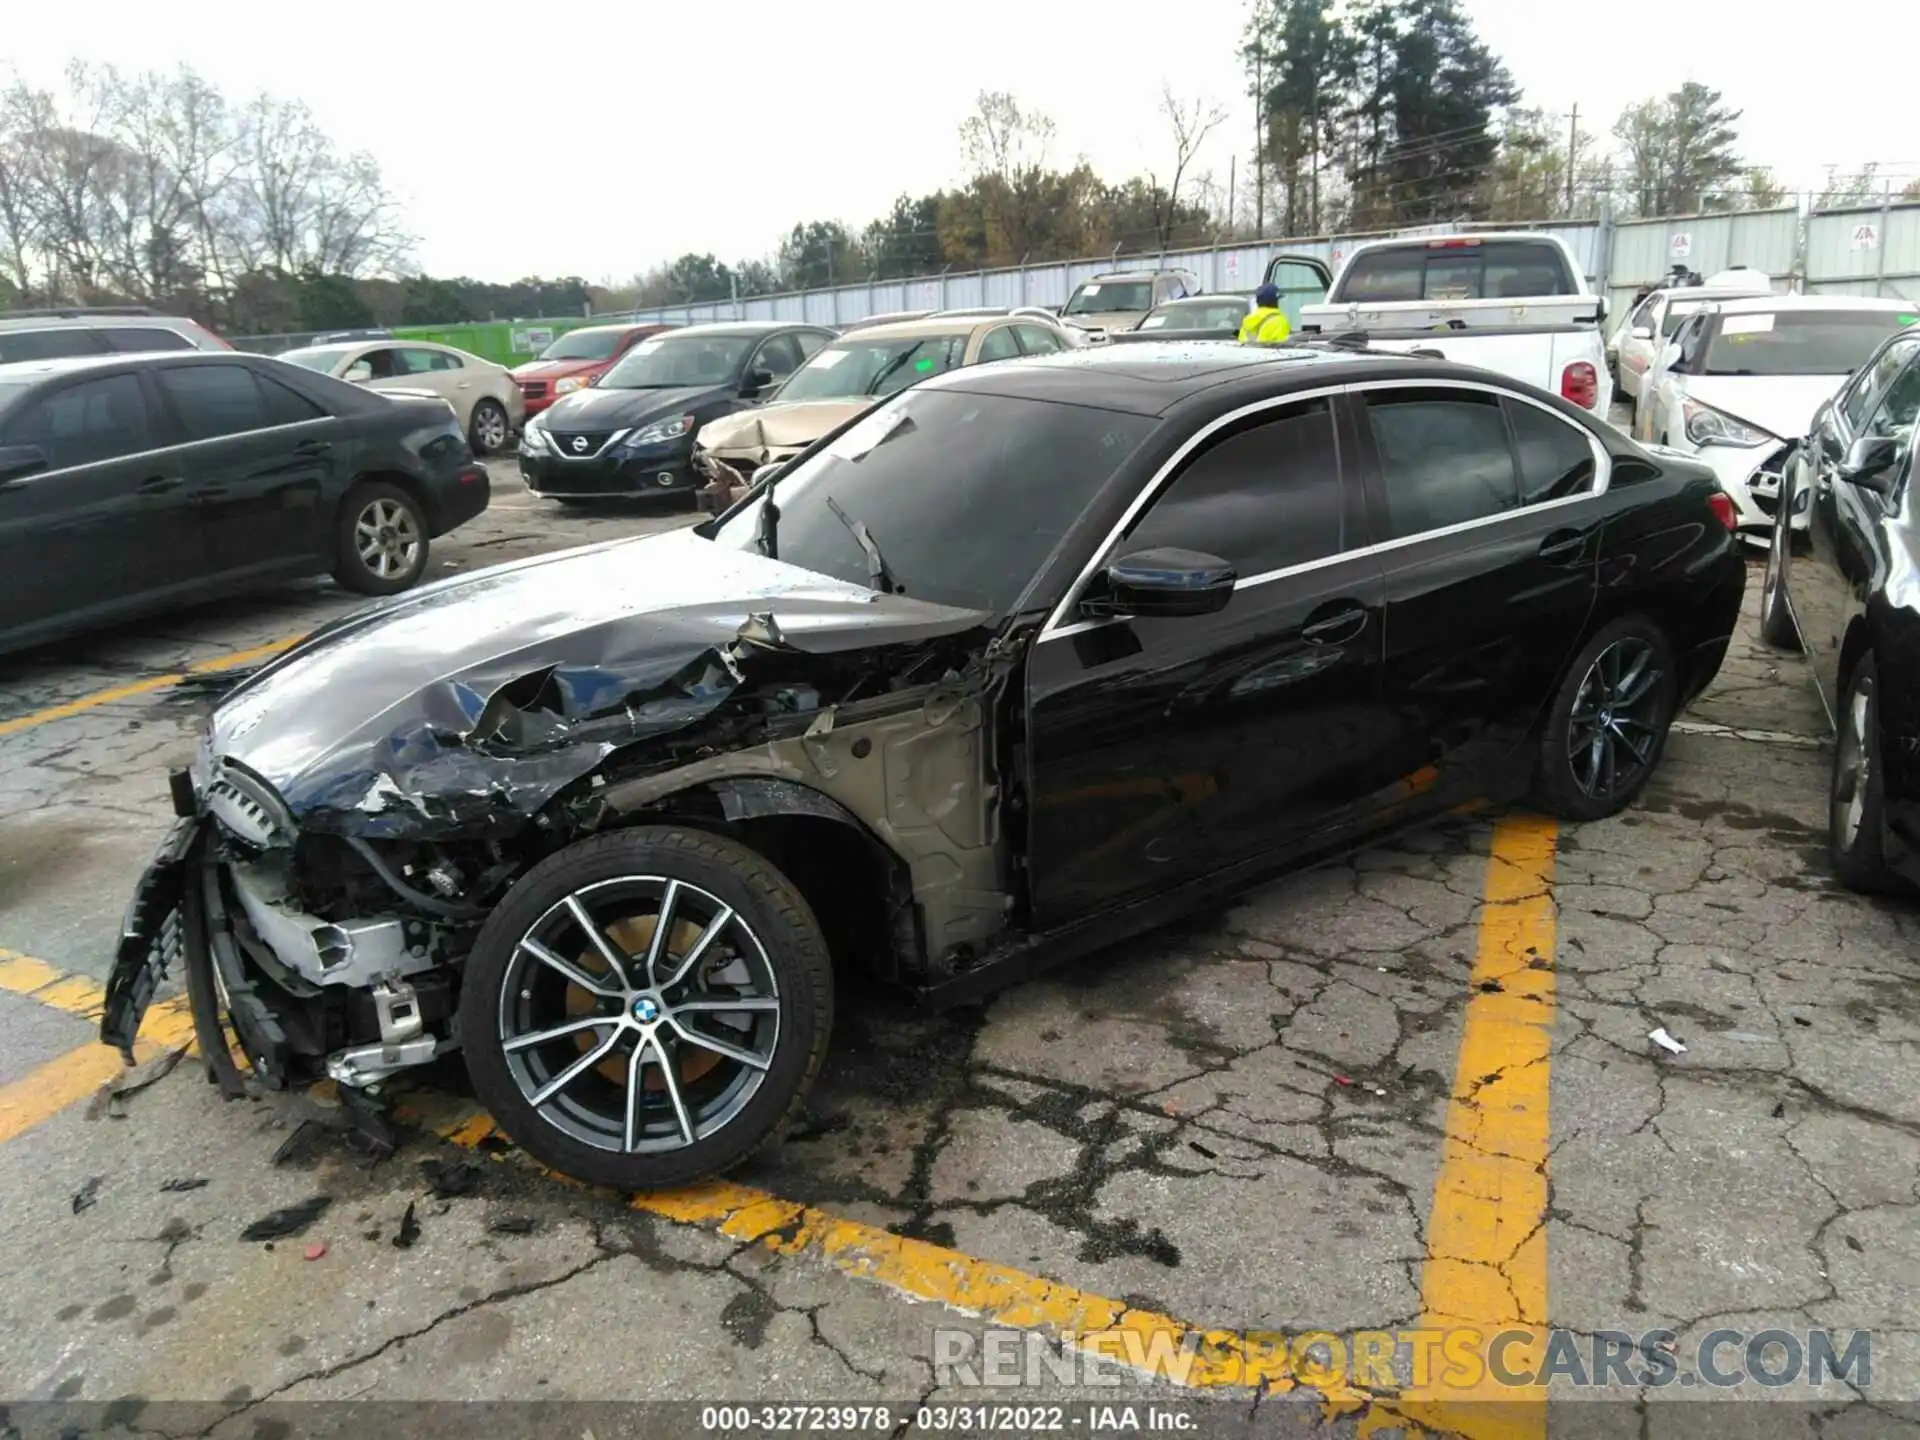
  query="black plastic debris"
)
[
  {"x": 409, "y": 1230},
  {"x": 194, "y": 1182},
  {"x": 110, "y": 1099},
  {"x": 451, "y": 1178},
  {"x": 292, "y": 1220},
  {"x": 512, "y": 1225},
  {"x": 84, "y": 1197}
]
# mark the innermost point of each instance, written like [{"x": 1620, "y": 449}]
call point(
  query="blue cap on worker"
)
[{"x": 1267, "y": 296}]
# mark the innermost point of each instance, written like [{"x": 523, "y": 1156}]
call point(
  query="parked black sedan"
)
[
  {"x": 136, "y": 482},
  {"x": 1030, "y": 657},
  {"x": 631, "y": 432},
  {"x": 1850, "y": 601}
]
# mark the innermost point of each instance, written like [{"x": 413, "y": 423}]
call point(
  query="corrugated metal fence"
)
[{"x": 1868, "y": 251}]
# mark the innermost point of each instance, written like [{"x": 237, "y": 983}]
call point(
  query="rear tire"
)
[
  {"x": 489, "y": 429},
  {"x": 738, "y": 933},
  {"x": 1608, "y": 722},
  {"x": 1855, "y": 844},
  {"x": 380, "y": 540}
]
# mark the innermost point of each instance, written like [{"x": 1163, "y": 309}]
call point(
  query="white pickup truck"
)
[{"x": 1513, "y": 302}]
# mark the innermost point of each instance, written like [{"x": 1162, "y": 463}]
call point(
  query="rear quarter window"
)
[
  {"x": 134, "y": 339},
  {"x": 50, "y": 344}
]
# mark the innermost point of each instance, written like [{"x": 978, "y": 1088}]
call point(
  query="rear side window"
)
[
  {"x": 1443, "y": 271},
  {"x": 87, "y": 423},
  {"x": 283, "y": 405},
  {"x": 999, "y": 345},
  {"x": 214, "y": 400},
  {"x": 1556, "y": 460},
  {"x": 137, "y": 338},
  {"x": 1265, "y": 498},
  {"x": 50, "y": 344},
  {"x": 1444, "y": 458}
]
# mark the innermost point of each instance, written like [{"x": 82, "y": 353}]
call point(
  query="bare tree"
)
[
  {"x": 1190, "y": 122},
  {"x": 1007, "y": 149}
]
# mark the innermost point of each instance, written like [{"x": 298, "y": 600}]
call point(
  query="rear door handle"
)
[
  {"x": 313, "y": 447},
  {"x": 1335, "y": 626},
  {"x": 160, "y": 485},
  {"x": 1564, "y": 547}
]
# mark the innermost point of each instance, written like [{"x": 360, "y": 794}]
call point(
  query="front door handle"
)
[
  {"x": 313, "y": 447},
  {"x": 1564, "y": 547},
  {"x": 160, "y": 485},
  {"x": 1336, "y": 624}
]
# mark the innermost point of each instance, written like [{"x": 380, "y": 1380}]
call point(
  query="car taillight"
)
[
  {"x": 1458, "y": 242},
  {"x": 1580, "y": 383},
  {"x": 1724, "y": 509}
]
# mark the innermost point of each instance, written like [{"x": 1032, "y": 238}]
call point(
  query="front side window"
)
[
  {"x": 426, "y": 362},
  {"x": 1556, "y": 458},
  {"x": 779, "y": 357},
  {"x": 1038, "y": 339},
  {"x": 965, "y": 494},
  {"x": 1263, "y": 498},
  {"x": 810, "y": 342},
  {"x": 673, "y": 362},
  {"x": 999, "y": 345},
  {"x": 1444, "y": 458},
  {"x": 1795, "y": 342},
  {"x": 87, "y": 423},
  {"x": 1894, "y": 415},
  {"x": 213, "y": 400}
]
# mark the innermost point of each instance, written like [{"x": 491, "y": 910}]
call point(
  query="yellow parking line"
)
[
  {"x": 45, "y": 1091},
  {"x": 67, "y": 709},
  {"x": 1486, "y": 1265}
]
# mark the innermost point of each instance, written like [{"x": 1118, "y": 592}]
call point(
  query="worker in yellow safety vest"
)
[{"x": 1265, "y": 324}]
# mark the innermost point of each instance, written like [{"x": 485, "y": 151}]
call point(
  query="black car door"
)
[
  {"x": 105, "y": 526},
  {"x": 1165, "y": 749},
  {"x": 1829, "y": 585},
  {"x": 258, "y": 459},
  {"x": 1487, "y": 509}
]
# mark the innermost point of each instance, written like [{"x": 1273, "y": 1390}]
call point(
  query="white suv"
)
[{"x": 101, "y": 330}]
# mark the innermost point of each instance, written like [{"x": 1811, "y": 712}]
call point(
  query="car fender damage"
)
[{"x": 322, "y": 930}]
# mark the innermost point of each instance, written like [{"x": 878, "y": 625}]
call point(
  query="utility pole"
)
[
  {"x": 1232, "y": 162},
  {"x": 1573, "y": 149},
  {"x": 1259, "y": 144}
]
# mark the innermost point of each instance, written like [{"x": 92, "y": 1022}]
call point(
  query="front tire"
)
[
  {"x": 647, "y": 1008},
  {"x": 380, "y": 540},
  {"x": 1855, "y": 797},
  {"x": 489, "y": 428},
  {"x": 1608, "y": 722}
]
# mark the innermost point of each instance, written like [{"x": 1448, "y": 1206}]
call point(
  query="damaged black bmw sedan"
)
[{"x": 1021, "y": 661}]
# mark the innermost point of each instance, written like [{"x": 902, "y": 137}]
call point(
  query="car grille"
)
[
  {"x": 569, "y": 442},
  {"x": 1773, "y": 470},
  {"x": 532, "y": 389}
]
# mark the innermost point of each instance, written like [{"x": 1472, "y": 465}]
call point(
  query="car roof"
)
[
  {"x": 944, "y": 325},
  {"x": 1133, "y": 275},
  {"x": 1151, "y": 377},
  {"x": 18, "y": 372},
  {"x": 747, "y": 327},
  {"x": 1755, "y": 304}
]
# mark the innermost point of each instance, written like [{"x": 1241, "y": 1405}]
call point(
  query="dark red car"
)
[{"x": 576, "y": 359}]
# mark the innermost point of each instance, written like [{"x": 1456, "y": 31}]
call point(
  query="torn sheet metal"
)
[
  {"x": 776, "y": 432},
  {"x": 465, "y": 707}
]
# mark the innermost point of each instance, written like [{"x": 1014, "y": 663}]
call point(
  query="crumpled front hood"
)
[
  {"x": 775, "y": 429},
  {"x": 480, "y": 697},
  {"x": 597, "y": 409},
  {"x": 1781, "y": 405}
]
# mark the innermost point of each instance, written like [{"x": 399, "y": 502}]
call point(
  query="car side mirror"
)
[
  {"x": 17, "y": 462},
  {"x": 1868, "y": 460},
  {"x": 1642, "y": 332},
  {"x": 1163, "y": 582},
  {"x": 756, "y": 381}
]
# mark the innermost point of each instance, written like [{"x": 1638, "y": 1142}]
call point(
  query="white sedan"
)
[
  {"x": 1740, "y": 382},
  {"x": 483, "y": 394},
  {"x": 1652, "y": 323}
]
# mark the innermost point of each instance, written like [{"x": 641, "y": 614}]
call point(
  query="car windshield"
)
[
  {"x": 1804, "y": 342},
  {"x": 1455, "y": 270},
  {"x": 324, "y": 358},
  {"x": 966, "y": 495},
  {"x": 1111, "y": 297},
  {"x": 584, "y": 345},
  {"x": 668, "y": 362},
  {"x": 874, "y": 367},
  {"x": 1209, "y": 315}
]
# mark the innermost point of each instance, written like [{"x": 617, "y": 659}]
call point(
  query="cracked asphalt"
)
[{"x": 1238, "y": 1123}]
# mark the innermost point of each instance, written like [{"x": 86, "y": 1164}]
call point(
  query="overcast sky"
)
[{"x": 616, "y": 135}]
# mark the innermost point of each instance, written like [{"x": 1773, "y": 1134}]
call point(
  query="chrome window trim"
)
[{"x": 1058, "y": 625}]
